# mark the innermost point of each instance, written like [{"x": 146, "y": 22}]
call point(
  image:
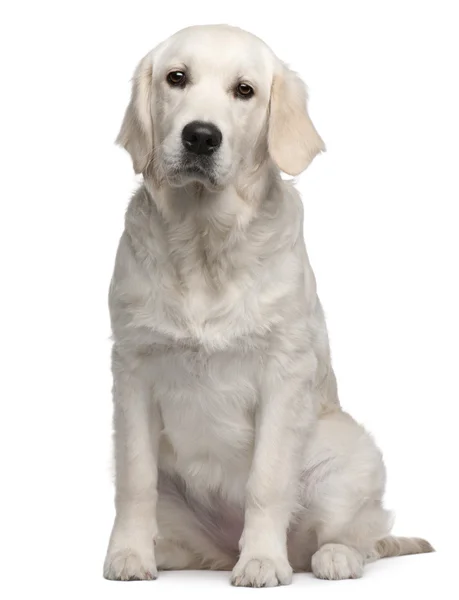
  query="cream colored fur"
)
[{"x": 226, "y": 414}]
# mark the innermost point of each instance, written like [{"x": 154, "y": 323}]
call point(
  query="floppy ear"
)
[
  {"x": 292, "y": 138},
  {"x": 136, "y": 133}
]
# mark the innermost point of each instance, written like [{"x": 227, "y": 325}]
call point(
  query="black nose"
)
[{"x": 201, "y": 138}]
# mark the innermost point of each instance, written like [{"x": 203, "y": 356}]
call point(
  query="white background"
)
[{"x": 381, "y": 229}]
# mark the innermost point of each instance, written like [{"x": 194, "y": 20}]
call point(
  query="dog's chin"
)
[{"x": 187, "y": 174}]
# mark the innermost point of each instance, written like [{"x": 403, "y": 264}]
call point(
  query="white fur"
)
[{"x": 223, "y": 385}]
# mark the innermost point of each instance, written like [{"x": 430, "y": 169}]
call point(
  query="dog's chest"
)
[
  {"x": 207, "y": 404},
  {"x": 230, "y": 314},
  {"x": 206, "y": 377}
]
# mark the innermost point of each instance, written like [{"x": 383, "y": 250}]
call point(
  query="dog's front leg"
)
[
  {"x": 137, "y": 426},
  {"x": 285, "y": 416}
]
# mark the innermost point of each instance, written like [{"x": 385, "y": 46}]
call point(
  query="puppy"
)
[{"x": 231, "y": 448}]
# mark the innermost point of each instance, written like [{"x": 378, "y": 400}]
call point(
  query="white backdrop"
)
[{"x": 381, "y": 229}]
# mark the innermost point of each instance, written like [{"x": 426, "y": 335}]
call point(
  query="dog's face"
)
[
  {"x": 212, "y": 101},
  {"x": 212, "y": 93}
]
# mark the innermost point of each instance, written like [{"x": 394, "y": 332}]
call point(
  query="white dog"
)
[{"x": 232, "y": 451}]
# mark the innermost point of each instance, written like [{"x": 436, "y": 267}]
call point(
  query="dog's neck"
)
[{"x": 204, "y": 228}]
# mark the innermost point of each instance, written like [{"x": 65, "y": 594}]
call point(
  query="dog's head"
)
[{"x": 214, "y": 100}]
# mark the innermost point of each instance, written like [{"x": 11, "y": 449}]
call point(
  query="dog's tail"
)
[{"x": 399, "y": 546}]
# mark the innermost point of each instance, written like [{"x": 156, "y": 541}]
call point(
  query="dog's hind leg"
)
[
  {"x": 345, "y": 548},
  {"x": 342, "y": 491}
]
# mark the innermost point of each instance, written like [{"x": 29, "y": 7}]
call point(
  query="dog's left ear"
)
[
  {"x": 136, "y": 133},
  {"x": 292, "y": 138}
]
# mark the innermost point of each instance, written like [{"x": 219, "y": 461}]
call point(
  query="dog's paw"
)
[
  {"x": 261, "y": 572},
  {"x": 336, "y": 561},
  {"x": 128, "y": 565}
]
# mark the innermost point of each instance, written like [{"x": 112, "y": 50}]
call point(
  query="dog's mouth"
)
[
  {"x": 197, "y": 169},
  {"x": 188, "y": 170}
]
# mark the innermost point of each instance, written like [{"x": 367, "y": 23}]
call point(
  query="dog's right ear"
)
[{"x": 136, "y": 133}]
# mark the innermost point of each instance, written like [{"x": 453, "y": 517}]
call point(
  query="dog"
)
[{"x": 231, "y": 448}]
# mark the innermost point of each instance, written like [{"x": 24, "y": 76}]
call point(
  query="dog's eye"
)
[
  {"x": 244, "y": 90},
  {"x": 176, "y": 78}
]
